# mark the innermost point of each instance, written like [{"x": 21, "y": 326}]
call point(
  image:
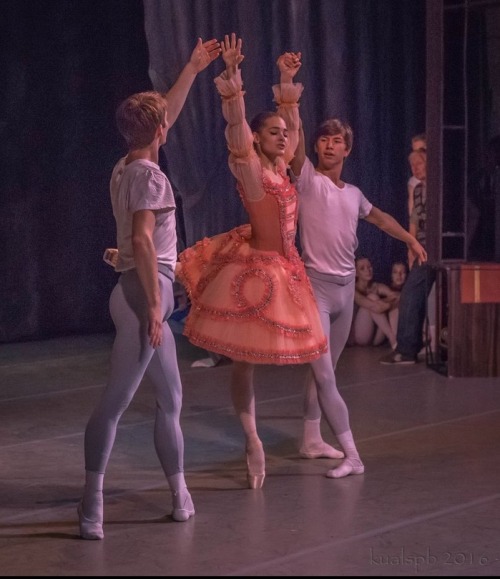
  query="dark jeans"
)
[{"x": 413, "y": 308}]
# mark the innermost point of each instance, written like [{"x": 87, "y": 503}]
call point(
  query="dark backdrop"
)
[{"x": 66, "y": 64}]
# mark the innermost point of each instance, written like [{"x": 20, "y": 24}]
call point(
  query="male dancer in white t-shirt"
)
[
  {"x": 329, "y": 211},
  {"x": 142, "y": 300}
]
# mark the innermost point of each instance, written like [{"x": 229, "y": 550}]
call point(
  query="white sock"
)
[
  {"x": 352, "y": 463},
  {"x": 182, "y": 503},
  {"x": 92, "y": 502},
  {"x": 176, "y": 482}
]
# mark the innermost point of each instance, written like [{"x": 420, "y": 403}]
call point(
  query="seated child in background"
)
[
  {"x": 375, "y": 304},
  {"x": 399, "y": 272}
]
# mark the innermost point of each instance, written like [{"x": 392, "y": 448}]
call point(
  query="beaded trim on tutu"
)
[{"x": 250, "y": 305}]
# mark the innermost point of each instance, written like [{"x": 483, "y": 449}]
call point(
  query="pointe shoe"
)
[
  {"x": 255, "y": 480},
  {"x": 320, "y": 450},
  {"x": 91, "y": 530},
  {"x": 183, "y": 506}
]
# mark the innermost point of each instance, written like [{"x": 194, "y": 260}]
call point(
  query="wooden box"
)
[
  {"x": 467, "y": 320},
  {"x": 480, "y": 283}
]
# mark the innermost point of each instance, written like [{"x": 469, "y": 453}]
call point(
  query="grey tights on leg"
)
[
  {"x": 335, "y": 305},
  {"x": 131, "y": 357}
]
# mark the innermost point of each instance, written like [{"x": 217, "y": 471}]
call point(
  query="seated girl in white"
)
[{"x": 375, "y": 307}]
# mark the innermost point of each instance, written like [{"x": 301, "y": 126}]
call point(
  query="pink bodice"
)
[{"x": 277, "y": 207}]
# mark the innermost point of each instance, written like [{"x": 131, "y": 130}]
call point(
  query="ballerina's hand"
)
[
  {"x": 289, "y": 63},
  {"x": 231, "y": 50}
]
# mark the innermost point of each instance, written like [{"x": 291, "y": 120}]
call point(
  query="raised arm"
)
[
  {"x": 287, "y": 95},
  {"x": 230, "y": 87},
  {"x": 203, "y": 54},
  {"x": 243, "y": 160},
  {"x": 299, "y": 158}
]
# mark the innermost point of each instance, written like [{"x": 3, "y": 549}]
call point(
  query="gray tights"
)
[
  {"x": 335, "y": 304},
  {"x": 131, "y": 358}
]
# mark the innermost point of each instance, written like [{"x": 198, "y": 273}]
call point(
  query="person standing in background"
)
[
  {"x": 418, "y": 143},
  {"x": 418, "y": 285}
]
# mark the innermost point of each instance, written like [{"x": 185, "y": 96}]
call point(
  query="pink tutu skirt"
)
[{"x": 250, "y": 305}]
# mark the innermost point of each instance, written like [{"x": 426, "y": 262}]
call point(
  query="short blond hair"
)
[
  {"x": 139, "y": 116},
  {"x": 416, "y": 138}
]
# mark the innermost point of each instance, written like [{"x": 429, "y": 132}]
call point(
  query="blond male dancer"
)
[{"x": 142, "y": 300}]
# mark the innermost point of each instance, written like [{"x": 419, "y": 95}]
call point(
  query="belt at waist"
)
[
  {"x": 331, "y": 278},
  {"x": 166, "y": 270}
]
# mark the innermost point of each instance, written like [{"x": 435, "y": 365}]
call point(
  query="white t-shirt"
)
[
  {"x": 413, "y": 182},
  {"x": 142, "y": 185},
  {"x": 328, "y": 220}
]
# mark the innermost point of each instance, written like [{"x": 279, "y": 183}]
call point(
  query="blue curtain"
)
[
  {"x": 66, "y": 65},
  {"x": 363, "y": 60}
]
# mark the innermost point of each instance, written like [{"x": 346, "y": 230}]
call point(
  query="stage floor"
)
[{"x": 427, "y": 504}]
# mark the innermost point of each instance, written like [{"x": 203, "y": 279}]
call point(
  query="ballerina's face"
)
[{"x": 272, "y": 137}]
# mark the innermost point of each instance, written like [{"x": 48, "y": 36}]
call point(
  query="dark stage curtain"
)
[
  {"x": 66, "y": 64},
  {"x": 363, "y": 60}
]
